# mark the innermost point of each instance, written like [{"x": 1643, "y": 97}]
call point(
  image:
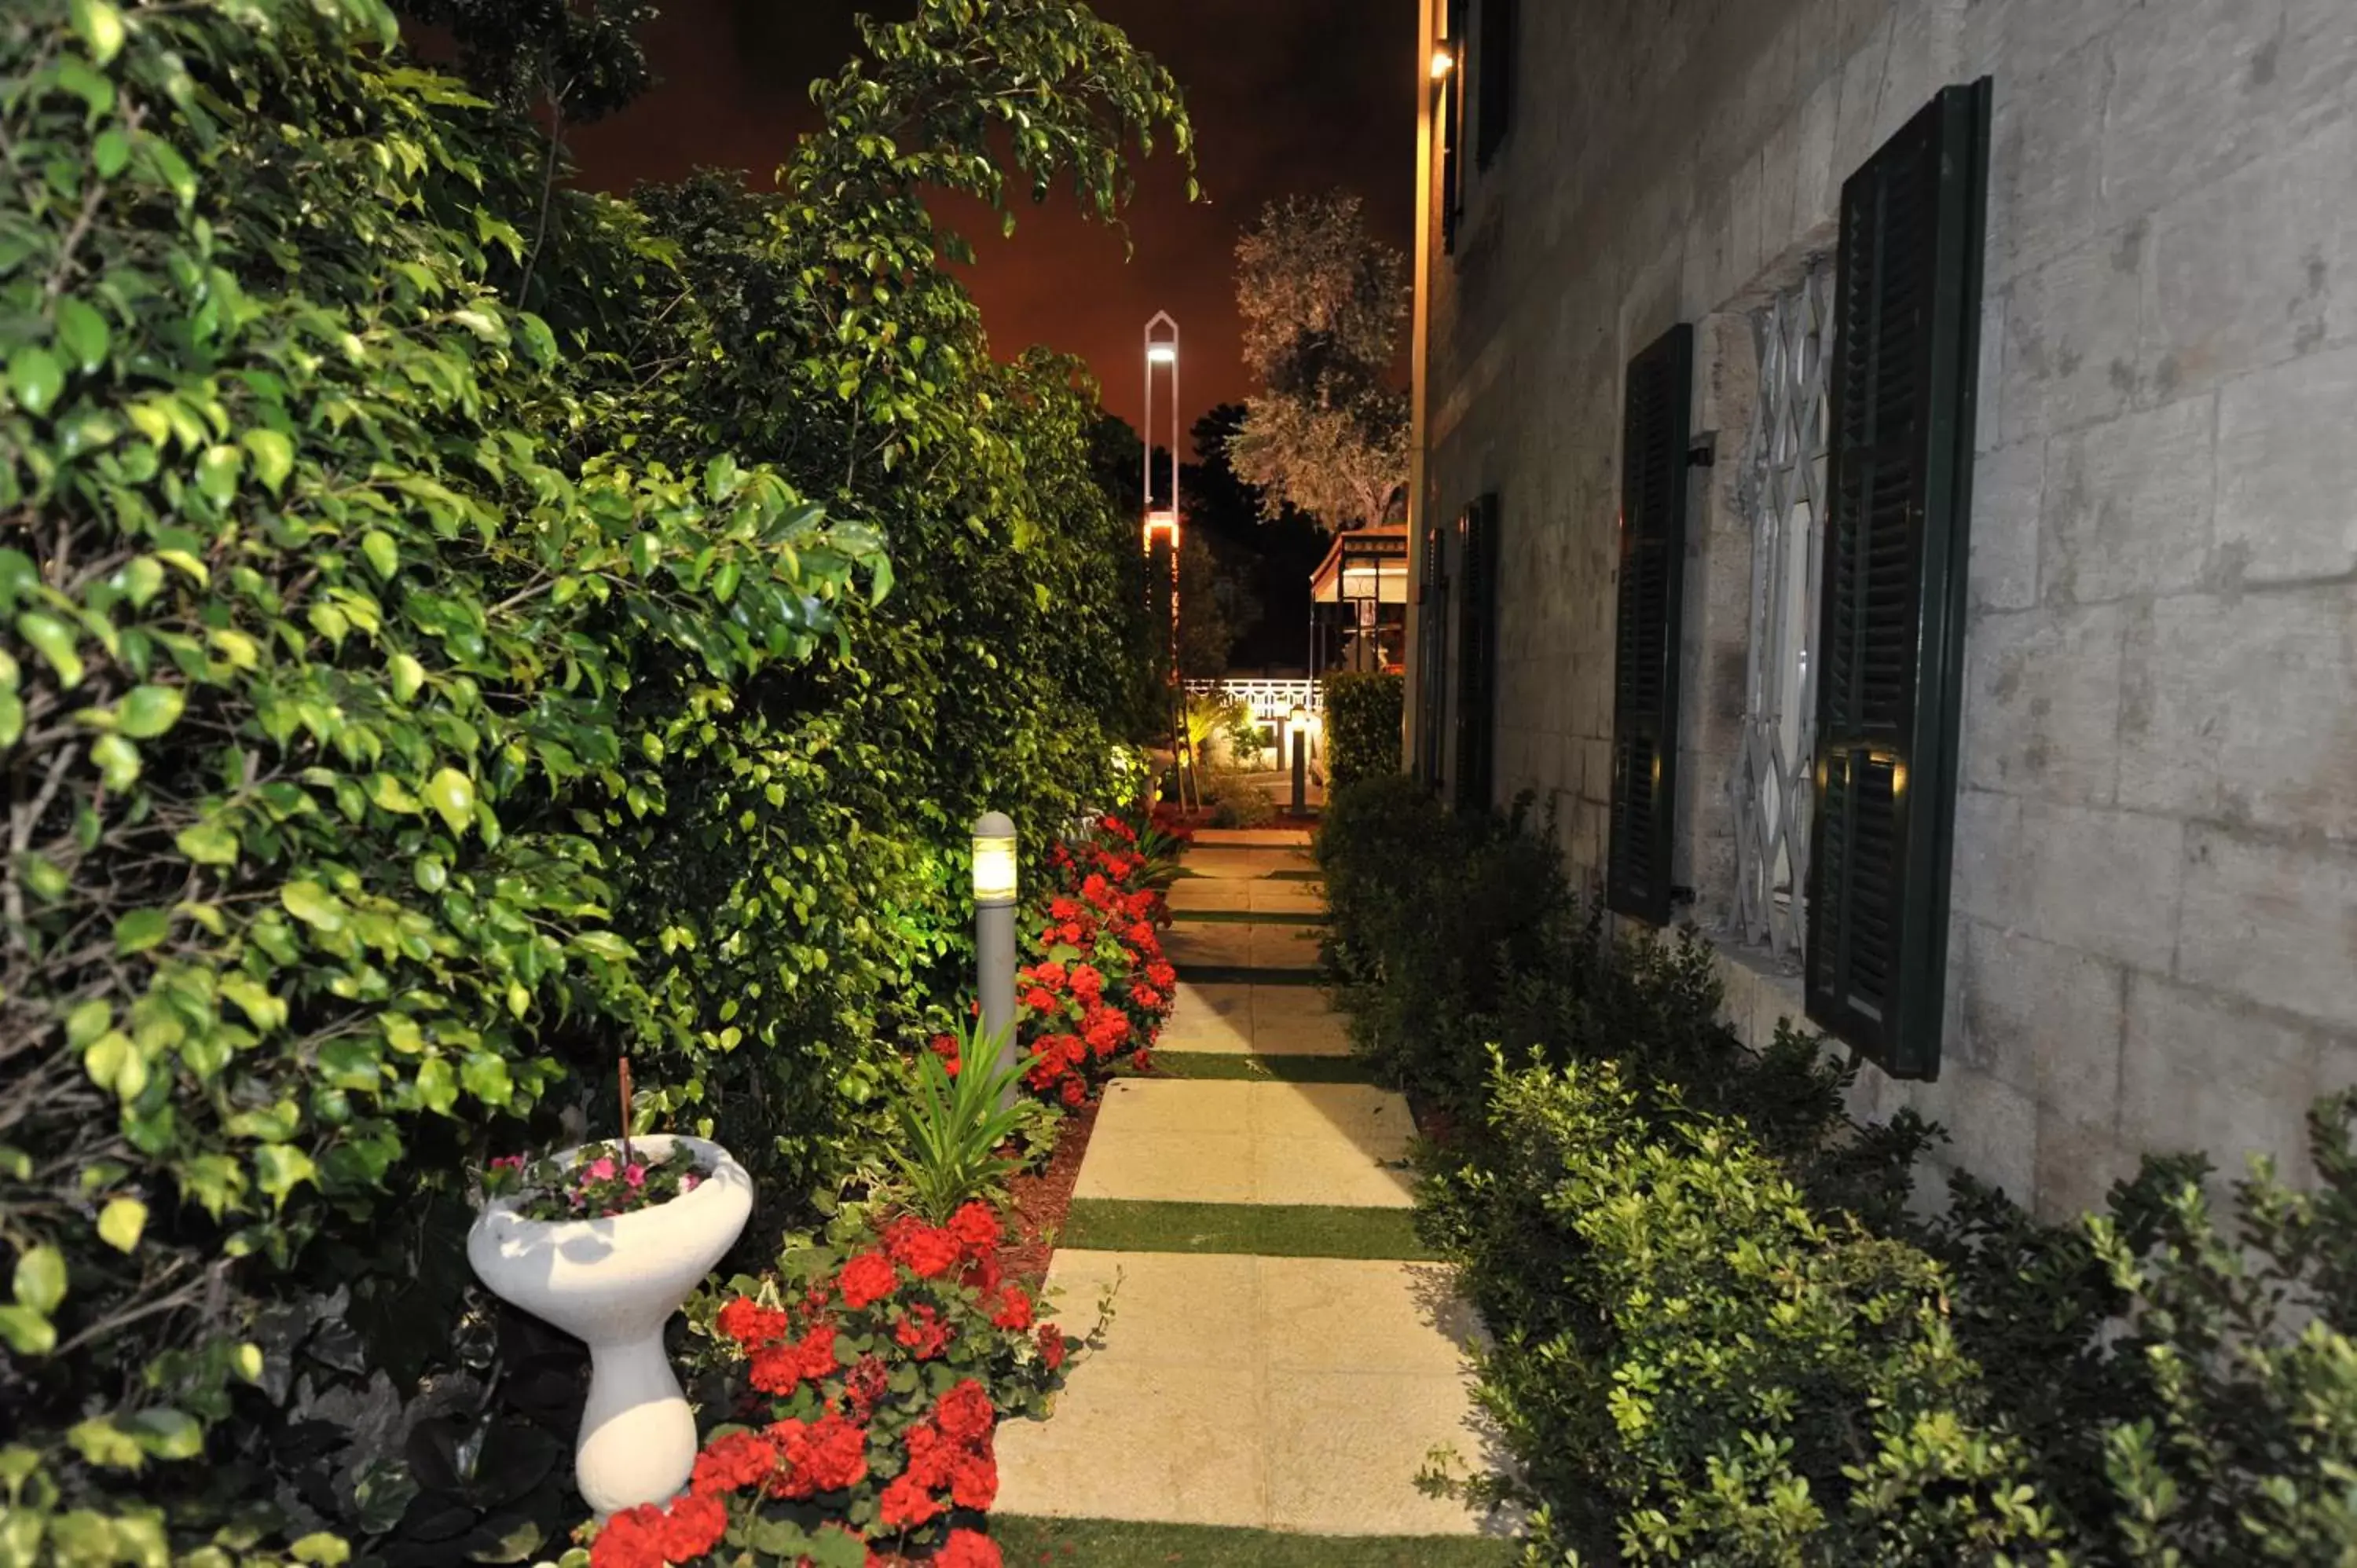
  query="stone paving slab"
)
[
  {"x": 1255, "y": 1020},
  {"x": 1299, "y": 1394},
  {"x": 1218, "y": 944},
  {"x": 1252, "y": 838},
  {"x": 1234, "y": 864},
  {"x": 1233, "y": 1141}
]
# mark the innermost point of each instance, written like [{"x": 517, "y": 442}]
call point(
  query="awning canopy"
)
[{"x": 1369, "y": 563}]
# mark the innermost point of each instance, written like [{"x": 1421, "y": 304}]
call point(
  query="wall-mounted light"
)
[{"x": 1444, "y": 60}]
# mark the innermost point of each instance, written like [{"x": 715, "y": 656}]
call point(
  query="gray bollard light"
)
[
  {"x": 1300, "y": 731},
  {"x": 994, "y": 934}
]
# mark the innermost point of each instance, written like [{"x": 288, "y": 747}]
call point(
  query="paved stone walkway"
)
[{"x": 1296, "y": 1394}]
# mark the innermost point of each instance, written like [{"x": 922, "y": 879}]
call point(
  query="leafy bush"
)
[
  {"x": 1364, "y": 713},
  {"x": 1695, "y": 1364},
  {"x": 1237, "y": 802},
  {"x": 407, "y": 702},
  {"x": 953, "y": 1123},
  {"x": 1630, "y": 1190}
]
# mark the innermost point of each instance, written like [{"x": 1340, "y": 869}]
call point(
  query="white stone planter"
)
[{"x": 613, "y": 1283}]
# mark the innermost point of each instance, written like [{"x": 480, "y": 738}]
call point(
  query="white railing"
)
[{"x": 1269, "y": 701}]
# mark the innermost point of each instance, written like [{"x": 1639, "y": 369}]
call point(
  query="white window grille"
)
[{"x": 1782, "y": 493}]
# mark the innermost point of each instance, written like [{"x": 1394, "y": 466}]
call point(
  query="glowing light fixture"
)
[
  {"x": 994, "y": 860},
  {"x": 1162, "y": 353},
  {"x": 1444, "y": 60}
]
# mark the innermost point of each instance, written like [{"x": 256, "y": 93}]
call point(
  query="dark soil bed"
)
[{"x": 1042, "y": 1196}]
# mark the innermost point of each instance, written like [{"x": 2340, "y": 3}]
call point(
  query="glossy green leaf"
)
[
  {"x": 141, "y": 930},
  {"x": 452, "y": 795},
  {"x": 383, "y": 555},
  {"x": 83, "y": 332},
  {"x": 314, "y": 905},
  {"x": 100, "y": 27},
  {"x": 207, "y": 844},
  {"x": 39, "y": 1281},
  {"x": 273, "y": 455},
  {"x": 148, "y": 711},
  {"x": 35, "y": 378},
  {"x": 217, "y": 473},
  {"x": 54, "y": 641},
  {"x": 117, "y": 761}
]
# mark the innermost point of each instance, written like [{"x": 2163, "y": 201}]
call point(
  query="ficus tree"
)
[{"x": 1322, "y": 302}]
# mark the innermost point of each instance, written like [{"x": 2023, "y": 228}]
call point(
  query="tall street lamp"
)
[
  {"x": 1299, "y": 729},
  {"x": 993, "y": 937}
]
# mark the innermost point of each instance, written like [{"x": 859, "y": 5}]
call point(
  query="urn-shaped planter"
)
[{"x": 613, "y": 1283}]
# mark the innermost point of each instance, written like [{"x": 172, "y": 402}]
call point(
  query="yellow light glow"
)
[
  {"x": 1162, "y": 353},
  {"x": 1444, "y": 60},
  {"x": 994, "y": 860}
]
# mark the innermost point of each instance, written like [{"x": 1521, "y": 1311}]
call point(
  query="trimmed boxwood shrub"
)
[
  {"x": 1725, "y": 1334},
  {"x": 1364, "y": 713}
]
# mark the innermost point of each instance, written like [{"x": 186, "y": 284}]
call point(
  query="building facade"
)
[{"x": 1888, "y": 476}]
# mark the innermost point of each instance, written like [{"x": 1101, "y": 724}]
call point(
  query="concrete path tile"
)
[
  {"x": 1296, "y": 1020},
  {"x": 1344, "y": 1449},
  {"x": 1284, "y": 947},
  {"x": 1251, "y": 838},
  {"x": 1284, "y": 898},
  {"x": 1363, "y": 1314},
  {"x": 1375, "y": 1120},
  {"x": 1322, "y": 1170},
  {"x": 1217, "y": 1019},
  {"x": 1214, "y": 895},
  {"x": 1164, "y": 1444},
  {"x": 1183, "y": 1167},
  {"x": 1204, "y": 945},
  {"x": 1231, "y": 863},
  {"x": 1296, "y": 1394}
]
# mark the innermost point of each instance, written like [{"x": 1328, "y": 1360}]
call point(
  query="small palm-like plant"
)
[{"x": 954, "y": 1124}]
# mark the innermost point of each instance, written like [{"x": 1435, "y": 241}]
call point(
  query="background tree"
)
[
  {"x": 1323, "y": 301},
  {"x": 1217, "y": 606}
]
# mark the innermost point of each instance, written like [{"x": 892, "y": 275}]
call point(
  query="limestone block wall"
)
[{"x": 2154, "y": 930}]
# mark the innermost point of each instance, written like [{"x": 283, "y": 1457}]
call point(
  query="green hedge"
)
[
  {"x": 1364, "y": 717},
  {"x": 1724, "y": 1332},
  {"x": 449, "y": 638}
]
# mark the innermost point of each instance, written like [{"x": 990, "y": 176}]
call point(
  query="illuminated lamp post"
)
[
  {"x": 993, "y": 936},
  {"x": 1300, "y": 733}
]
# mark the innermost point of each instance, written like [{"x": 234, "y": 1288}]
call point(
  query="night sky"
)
[{"x": 1288, "y": 96}]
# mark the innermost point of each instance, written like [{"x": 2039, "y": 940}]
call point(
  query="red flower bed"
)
[
  {"x": 868, "y": 1401},
  {"x": 1098, "y": 987}
]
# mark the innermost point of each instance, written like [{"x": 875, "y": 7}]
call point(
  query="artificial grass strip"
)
[
  {"x": 1295, "y": 877},
  {"x": 1263, "y": 1229},
  {"x": 1245, "y": 974},
  {"x": 1256, "y": 1068},
  {"x": 1111, "y": 1543}
]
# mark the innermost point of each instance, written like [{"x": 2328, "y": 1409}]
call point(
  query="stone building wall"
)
[{"x": 2154, "y": 927}]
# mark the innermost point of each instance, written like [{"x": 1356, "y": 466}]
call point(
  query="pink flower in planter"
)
[
  {"x": 508, "y": 1163},
  {"x": 691, "y": 1181},
  {"x": 600, "y": 1169},
  {"x": 636, "y": 1176}
]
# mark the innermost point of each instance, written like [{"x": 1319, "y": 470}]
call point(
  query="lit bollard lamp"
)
[
  {"x": 1299, "y": 731},
  {"x": 993, "y": 936}
]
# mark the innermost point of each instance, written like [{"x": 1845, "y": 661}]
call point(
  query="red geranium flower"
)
[
  {"x": 1074, "y": 1093},
  {"x": 1014, "y": 1310},
  {"x": 866, "y": 1280},
  {"x": 828, "y": 1454},
  {"x": 632, "y": 1539},
  {"x": 692, "y": 1528},
  {"x": 1038, "y": 1000},
  {"x": 965, "y": 1413},
  {"x": 1145, "y": 996},
  {"x": 749, "y": 1323},
  {"x": 1051, "y": 1345},
  {"x": 1162, "y": 975},
  {"x": 923, "y": 1333},
  {"x": 732, "y": 1461},
  {"x": 906, "y": 1505},
  {"x": 976, "y": 1228},
  {"x": 926, "y": 1251},
  {"x": 974, "y": 1481}
]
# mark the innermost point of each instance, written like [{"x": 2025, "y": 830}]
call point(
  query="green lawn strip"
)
[
  {"x": 1263, "y": 1229},
  {"x": 1259, "y": 1068},
  {"x": 1111, "y": 1543},
  {"x": 1295, "y": 877},
  {"x": 1244, "y": 917},
  {"x": 1245, "y": 974}
]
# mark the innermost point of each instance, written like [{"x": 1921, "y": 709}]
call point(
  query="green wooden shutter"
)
[
  {"x": 1432, "y": 657},
  {"x": 1890, "y": 660},
  {"x": 1654, "y": 439},
  {"x": 1477, "y": 653},
  {"x": 1451, "y": 127},
  {"x": 1494, "y": 61}
]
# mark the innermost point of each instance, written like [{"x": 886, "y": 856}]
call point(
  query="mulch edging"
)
[{"x": 1040, "y": 1199}]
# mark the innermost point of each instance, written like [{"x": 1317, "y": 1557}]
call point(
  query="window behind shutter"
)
[
  {"x": 1494, "y": 114},
  {"x": 1654, "y": 439},
  {"x": 1476, "y": 652},
  {"x": 1432, "y": 647},
  {"x": 1907, "y": 316}
]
